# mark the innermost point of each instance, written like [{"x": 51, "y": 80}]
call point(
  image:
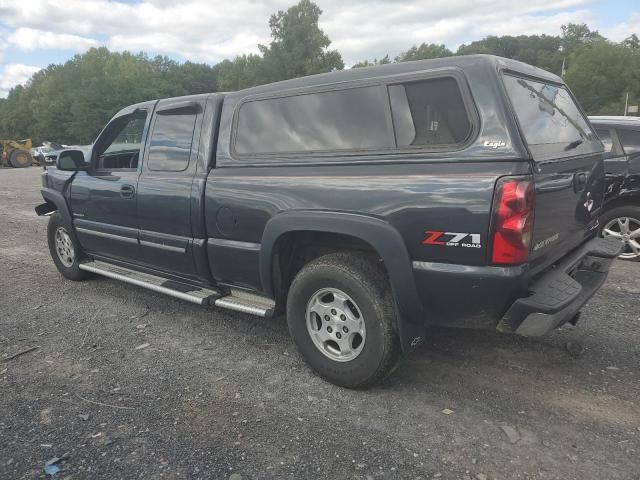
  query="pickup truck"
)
[{"x": 367, "y": 205}]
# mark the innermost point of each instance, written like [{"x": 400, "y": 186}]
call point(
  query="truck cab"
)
[{"x": 367, "y": 205}]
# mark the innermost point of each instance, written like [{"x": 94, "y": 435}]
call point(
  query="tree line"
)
[{"x": 71, "y": 102}]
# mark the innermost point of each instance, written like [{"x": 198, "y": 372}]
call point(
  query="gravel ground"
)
[{"x": 132, "y": 384}]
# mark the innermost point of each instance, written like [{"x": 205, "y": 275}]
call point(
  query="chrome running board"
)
[
  {"x": 247, "y": 302},
  {"x": 183, "y": 291},
  {"x": 237, "y": 300}
]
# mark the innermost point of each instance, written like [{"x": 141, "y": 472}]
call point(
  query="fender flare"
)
[
  {"x": 384, "y": 238},
  {"x": 55, "y": 197}
]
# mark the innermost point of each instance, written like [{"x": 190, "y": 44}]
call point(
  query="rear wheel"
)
[
  {"x": 623, "y": 223},
  {"x": 20, "y": 159},
  {"x": 341, "y": 316},
  {"x": 64, "y": 250}
]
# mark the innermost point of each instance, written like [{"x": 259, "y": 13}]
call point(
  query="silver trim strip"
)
[
  {"x": 141, "y": 283},
  {"x": 223, "y": 242},
  {"x": 111, "y": 236},
  {"x": 162, "y": 246}
]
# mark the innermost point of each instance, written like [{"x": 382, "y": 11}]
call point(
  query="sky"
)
[{"x": 36, "y": 33}]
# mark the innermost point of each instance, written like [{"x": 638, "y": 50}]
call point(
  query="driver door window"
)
[{"x": 123, "y": 152}]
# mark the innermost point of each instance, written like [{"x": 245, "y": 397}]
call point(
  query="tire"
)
[
  {"x": 68, "y": 261},
  {"x": 20, "y": 159},
  {"x": 623, "y": 223},
  {"x": 361, "y": 295}
]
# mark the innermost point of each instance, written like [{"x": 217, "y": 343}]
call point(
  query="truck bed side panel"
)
[{"x": 451, "y": 198}]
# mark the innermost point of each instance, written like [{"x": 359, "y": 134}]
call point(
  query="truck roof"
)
[
  {"x": 464, "y": 62},
  {"x": 149, "y": 103}
]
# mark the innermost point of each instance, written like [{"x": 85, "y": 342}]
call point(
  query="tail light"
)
[{"x": 513, "y": 220}]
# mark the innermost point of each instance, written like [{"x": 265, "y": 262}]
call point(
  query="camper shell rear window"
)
[
  {"x": 552, "y": 123},
  {"x": 424, "y": 114}
]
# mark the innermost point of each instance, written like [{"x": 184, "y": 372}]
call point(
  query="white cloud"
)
[
  {"x": 15, "y": 74},
  {"x": 210, "y": 31},
  {"x": 31, "y": 39},
  {"x": 198, "y": 30},
  {"x": 202, "y": 30},
  {"x": 460, "y": 22},
  {"x": 623, "y": 30}
]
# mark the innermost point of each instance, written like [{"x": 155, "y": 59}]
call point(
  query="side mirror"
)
[{"x": 71, "y": 161}]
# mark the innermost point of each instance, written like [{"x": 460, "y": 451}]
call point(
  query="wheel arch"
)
[
  {"x": 630, "y": 199},
  {"x": 55, "y": 201},
  {"x": 382, "y": 237}
]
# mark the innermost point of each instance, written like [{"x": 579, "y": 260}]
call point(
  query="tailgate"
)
[{"x": 568, "y": 167}]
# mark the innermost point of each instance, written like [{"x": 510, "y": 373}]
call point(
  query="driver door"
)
[{"x": 104, "y": 198}]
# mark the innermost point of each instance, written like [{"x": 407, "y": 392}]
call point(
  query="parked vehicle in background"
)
[
  {"x": 369, "y": 204},
  {"x": 41, "y": 151},
  {"x": 621, "y": 213},
  {"x": 16, "y": 153}
]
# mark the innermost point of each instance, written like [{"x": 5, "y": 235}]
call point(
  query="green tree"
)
[
  {"x": 423, "y": 52},
  {"x": 576, "y": 35},
  {"x": 242, "y": 72},
  {"x": 366, "y": 63},
  {"x": 70, "y": 103},
  {"x": 601, "y": 73},
  {"x": 15, "y": 116},
  {"x": 632, "y": 41},
  {"x": 298, "y": 48},
  {"x": 539, "y": 50}
]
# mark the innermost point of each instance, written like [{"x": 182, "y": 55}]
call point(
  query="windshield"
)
[{"x": 548, "y": 115}]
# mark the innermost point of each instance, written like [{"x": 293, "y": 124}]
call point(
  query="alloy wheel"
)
[
  {"x": 335, "y": 324},
  {"x": 64, "y": 247},
  {"x": 627, "y": 230}
]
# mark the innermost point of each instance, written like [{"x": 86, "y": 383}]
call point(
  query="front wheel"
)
[
  {"x": 64, "y": 250},
  {"x": 623, "y": 223},
  {"x": 341, "y": 316}
]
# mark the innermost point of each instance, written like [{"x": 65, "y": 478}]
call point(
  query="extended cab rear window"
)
[
  {"x": 170, "y": 144},
  {"x": 550, "y": 120}
]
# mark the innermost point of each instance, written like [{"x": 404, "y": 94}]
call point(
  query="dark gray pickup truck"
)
[{"x": 367, "y": 204}]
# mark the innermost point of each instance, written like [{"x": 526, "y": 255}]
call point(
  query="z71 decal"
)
[{"x": 452, "y": 239}]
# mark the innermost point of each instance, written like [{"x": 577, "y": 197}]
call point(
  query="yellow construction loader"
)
[{"x": 16, "y": 153}]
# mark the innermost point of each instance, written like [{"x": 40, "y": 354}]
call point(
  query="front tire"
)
[
  {"x": 64, "y": 249},
  {"x": 623, "y": 223},
  {"x": 341, "y": 316}
]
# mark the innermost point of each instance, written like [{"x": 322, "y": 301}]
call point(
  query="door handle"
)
[{"x": 127, "y": 191}]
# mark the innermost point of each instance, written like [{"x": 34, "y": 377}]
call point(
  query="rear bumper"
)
[
  {"x": 558, "y": 294},
  {"x": 478, "y": 296}
]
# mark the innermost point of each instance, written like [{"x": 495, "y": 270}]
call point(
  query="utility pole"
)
[{"x": 626, "y": 104}]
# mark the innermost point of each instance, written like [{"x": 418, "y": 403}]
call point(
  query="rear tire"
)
[
  {"x": 64, "y": 250},
  {"x": 341, "y": 315},
  {"x": 623, "y": 223},
  {"x": 20, "y": 159}
]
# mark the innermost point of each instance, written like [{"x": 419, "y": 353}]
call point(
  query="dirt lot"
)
[{"x": 216, "y": 393}]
